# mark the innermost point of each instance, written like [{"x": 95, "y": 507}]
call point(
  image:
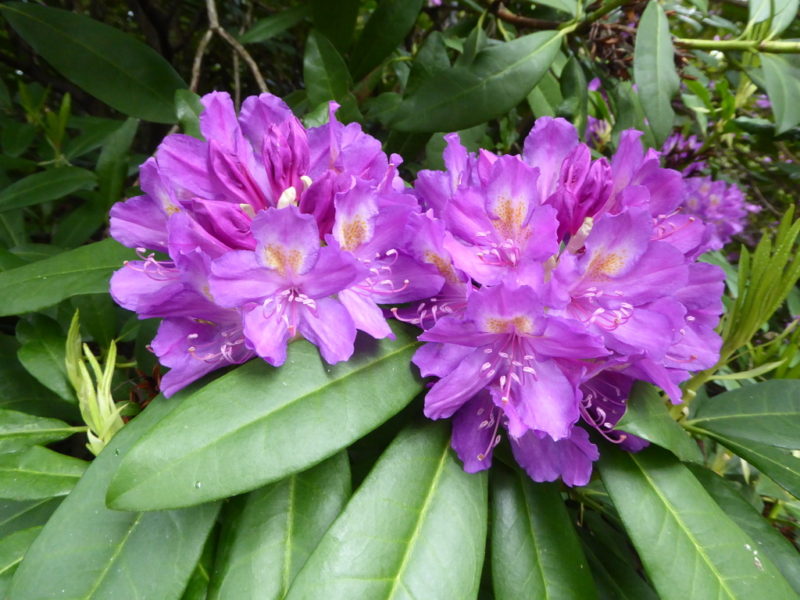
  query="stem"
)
[
  {"x": 773, "y": 47},
  {"x": 603, "y": 11}
]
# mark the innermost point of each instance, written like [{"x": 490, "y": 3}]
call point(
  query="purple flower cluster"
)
[
  {"x": 719, "y": 204},
  {"x": 567, "y": 280},
  {"x": 545, "y": 284},
  {"x": 271, "y": 231}
]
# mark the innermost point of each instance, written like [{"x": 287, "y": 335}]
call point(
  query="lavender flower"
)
[
  {"x": 575, "y": 278},
  {"x": 721, "y": 205}
]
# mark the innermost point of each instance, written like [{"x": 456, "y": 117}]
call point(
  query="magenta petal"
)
[
  {"x": 439, "y": 359},
  {"x": 334, "y": 271},
  {"x": 474, "y": 431},
  {"x": 451, "y": 392},
  {"x": 288, "y": 241},
  {"x": 366, "y": 315},
  {"x": 132, "y": 287},
  {"x": 183, "y": 160},
  {"x": 218, "y": 120},
  {"x": 266, "y": 332},
  {"x": 329, "y": 326},
  {"x": 139, "y": 222},
  {"x": 546, "y": 460},
  {"x": 236, "y": 278},
  {"x": 546, "y": 147}
]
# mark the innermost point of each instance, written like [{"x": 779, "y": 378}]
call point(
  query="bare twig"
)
[{"x": 197, "y": 63}]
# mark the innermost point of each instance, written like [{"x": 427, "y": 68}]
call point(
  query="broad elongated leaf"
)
[
  {"x": 43, "y": 353},
  {"x": 400, "y": 533},
  {"x": 336, "y": 20},
  {"x": 19, "y": 430},
  {"x": 535, "y": 551},
  {"x": 780, "y": 13},
  {"x": 387, "y": 26},
  {"x": 112, "y": 164},
  {"x": 778, "y": 463},
  {"x": 654, "y": 70},
  {"x": 647, "y": 416},
  {"x": 769, "y": 541},
  {"x": 112, "y": 66},
  {"x": 38, "y": 473},
  {"x": 568, "y": 6},
  {"x": 767, "y": 412},
  {"x": 188, "y": 108},
  {"x": 17, "y": 516},
  {"x": 269, "y": 27},
  {"x": 326, "y": 76},
  {"x": 12, "y": 549},
  {"x": 689, "y": 547},
  {"x": 782, "y": 81},
  {"x": 269, "y": 533},
  {"x": 85, "y": 270},
  {"x": 45, "y": 186},
  {"x": 89, "y": 551},
  {"x": 283, "y": 420},
  {"x": 498, "y": 79}
]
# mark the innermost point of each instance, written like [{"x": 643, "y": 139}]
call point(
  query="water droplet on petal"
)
[{"x": 198, "y": 484}]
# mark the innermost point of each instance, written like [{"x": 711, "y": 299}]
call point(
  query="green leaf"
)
[
  {"x": 17, "y": 516},
  {"x": 85, "y": 270},
  {"x": 269, "y": 534},
  {"x": 110, "y": 65},
  {"x": 568, "y": 6},
  {"x": 19, "y": 430},
  {"x": 654, "y": 70},
  {"x": 335, "y": 20},
  {"x": 535, "y": 551},
  {"x": 269, "y": 27},
  {"x": 398, "y": 536},
  {"x": 188, "y": 108},
  {"x": 767, "y": 412},
  {"x": 499, "y": 78},
  {"x": 648, "y": 417},
  {"x": 386, "y": 27},
  {"x": 575, "y": 105},
  {"x": 778, "y": 464},
  {"x": 689, "y": 547},
  {"x": 780, "y": 13},
  {"x": 782, "y": 81},
  {"x": 112, "y": 164},
  {"x": 768, "y": 539},
  {"x": 326, "y": 76},
  {"x": 91, "y": 552},
  {"x": 12, "y": 549},
  {"x": 546, "y": 97},
  {"x": 197, "y": 587},
  {"x": 45, "y": 186},
  {"x": 43, "y": 352},
  {"x": 283, "y": 420},
  {"x": 38, "y": 473}
]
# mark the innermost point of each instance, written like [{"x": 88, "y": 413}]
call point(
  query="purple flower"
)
[
  {"x": 566, "y": 279},
  {"x": 721, "y": 205}
]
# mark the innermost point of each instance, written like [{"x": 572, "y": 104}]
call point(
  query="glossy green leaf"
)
[
  {"x": 269, "y": 27},
  {"x": 648, "y": 417},
  {"x": 689, "y": 547},
  {"x": 567, "y": 6},
  {"x": 326, "y": 76},
  {"x": 768, "y": 539},
  {"x": 188, "y": 108},
  {"x": 110, "y": 65},
  {"x": 12, "y": 549},
  {"x": 535, "y": 551},
  {"x": 499, "y": 78},
  {"x": 778, "y": 464},
  {"x": 386, "y": 27},
  {"x": 269, "y": 534},
  {"x": 38, "y": 473},
  {"x": 575, "y": 104},
  {"x": 17, "y": 516},
  {"x": 43, "y": 352},
  {"x": 782, "y": 81},
  {"x": 431, "y": 57},
  {"x": 546, "y": 97},
  {"x": 197, "y": 587},
  {"x": 112, "y": 164},
  {"x": 91, "y": 552},
  {"x": 45, "y": 186},
  {"x": 19, "y": 430},
  {"x": 399, "y": 536},
  {"x": 654, "y": 70},
  {"x": 780, "y": 13},
  {"x": 336, "y": 20},
  {"x": 767, "y": 412},
  {"x": 283, "y": 420},
  {"x": 85, "y": 270}
]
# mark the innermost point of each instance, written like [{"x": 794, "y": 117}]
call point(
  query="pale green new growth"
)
[{"x": 98, "y": 409}]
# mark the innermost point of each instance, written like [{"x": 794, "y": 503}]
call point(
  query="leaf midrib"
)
[
  {"x": 156, "y": 473},
  {"x": 396, "y": 580},
  {"x": 114, "y": 556}
]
